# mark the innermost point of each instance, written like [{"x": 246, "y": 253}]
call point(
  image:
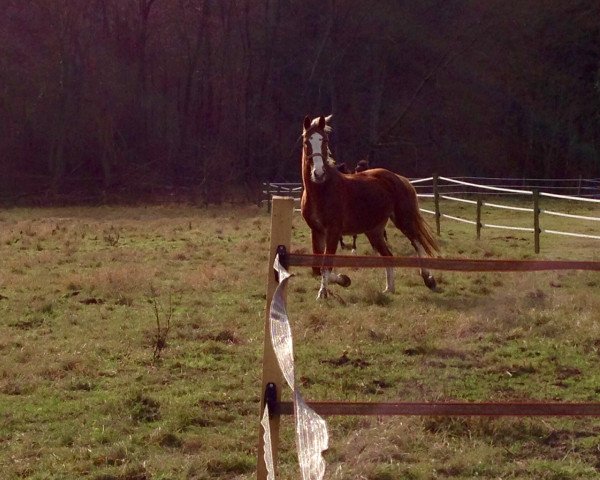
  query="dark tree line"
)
[{"x": 101, "y": 96}]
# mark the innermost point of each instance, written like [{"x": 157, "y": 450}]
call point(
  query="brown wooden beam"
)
[
  {"x": 492, "y": 409},
  {"x": 448, "y": 264}
]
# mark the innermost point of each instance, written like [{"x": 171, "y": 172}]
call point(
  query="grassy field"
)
[{"x": 131, "y": 346}]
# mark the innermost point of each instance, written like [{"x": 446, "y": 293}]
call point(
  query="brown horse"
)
[{"x": 336, "y": 204}]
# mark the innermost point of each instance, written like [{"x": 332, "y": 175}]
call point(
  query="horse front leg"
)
[
  {"x": 318, "y": 247},
  {"x": 327, "y": 273}
]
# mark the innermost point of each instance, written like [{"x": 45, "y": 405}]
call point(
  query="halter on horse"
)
[{"x": 336, "y": 204}]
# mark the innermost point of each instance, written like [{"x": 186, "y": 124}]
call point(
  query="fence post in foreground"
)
[
  {"x": 478, "y": 220},
  {"x": 436, "y": 202},
  {"x": 281, "y": 234},
  {"x": 536, "y": 219}
]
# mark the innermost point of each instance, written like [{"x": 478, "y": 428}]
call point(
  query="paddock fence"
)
[
  {"x": 278, "y": 358},
  {"x": 439, "y": 191},
  {"x": 477, "y": 191}
]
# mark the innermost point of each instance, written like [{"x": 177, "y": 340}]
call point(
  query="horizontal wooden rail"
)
[
  {"x": 489, "y": 409},
  {"x": 447, "y": 264}
]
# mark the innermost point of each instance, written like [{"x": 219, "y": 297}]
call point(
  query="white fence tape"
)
[
  {"x": 421, "y": 180},
  {"x": 456, "y": 199},
  {"x": 569, "y": 234},
  {"x": 268, "y": 445},
  {"x": 569, "y": 215},
  {"x": 567, "y": 197},
  {"x": 519, "y": 209},
  {"x": 506, "y": 227},
  {"x": 312, "y": 438},
  {"x": 485, "y": 187},
  {"x": 515, "y": 179},
  {"x": 458, "y": 219}
]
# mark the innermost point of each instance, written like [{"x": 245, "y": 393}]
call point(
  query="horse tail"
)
[{"x": 407, "y": 217}]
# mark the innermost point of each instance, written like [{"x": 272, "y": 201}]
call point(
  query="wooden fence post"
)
[
  {"x": 436, "y": 202},
  {"x": 281, "y": 234},
  {"x": 536, "y": 219},
  {"x": 478, "y": 221}
]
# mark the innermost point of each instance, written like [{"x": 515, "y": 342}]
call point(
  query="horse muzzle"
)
[{"x": 318, "y": 178}]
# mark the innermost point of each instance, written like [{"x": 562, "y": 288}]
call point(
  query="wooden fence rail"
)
[{"x": 281, "y": 227}]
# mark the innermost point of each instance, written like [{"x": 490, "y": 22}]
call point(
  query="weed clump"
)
[
  {"x": 373, "y": 296},
  {"x": 143, "y": 408},
  {"x": 169, "y": 440}
]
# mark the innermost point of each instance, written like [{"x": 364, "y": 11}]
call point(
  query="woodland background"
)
[{"x": 128, "y": 98}]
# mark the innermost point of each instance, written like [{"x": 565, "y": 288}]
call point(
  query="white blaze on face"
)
[{"x": 318, "y": 169}]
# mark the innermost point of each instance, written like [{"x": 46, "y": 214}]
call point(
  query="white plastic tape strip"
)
[
  {"x": 569, "y": 234},
  {"x": 268, "y": 446},
  {"x": 312, "y": 439},
  {"x": 311, "y": 430},
  {"x": 455, "y": 199},
  {"x": 458, "y": 219},
  {"x": 281, "y": 333},
  {"x": 568, "y": 197},
  {"x": 485, "y": 187},
  {"x": 421, "y": 180},
  {"x": 506, "y": 227}
]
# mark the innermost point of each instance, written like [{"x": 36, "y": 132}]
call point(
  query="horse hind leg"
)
[
  {"x": 427, "y": 276},
  {"x": 412, "y": 232}
]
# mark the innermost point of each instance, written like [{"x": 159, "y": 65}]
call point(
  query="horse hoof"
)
[
  {"x": 431, "y": 283},
  {"x": 322, "y": 294},
  {"x": 344, "y": 281}
]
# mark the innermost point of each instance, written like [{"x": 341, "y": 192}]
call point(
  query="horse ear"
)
[
  {"x": 306, "y": 123},
  {"x": 321, "y": 122}
]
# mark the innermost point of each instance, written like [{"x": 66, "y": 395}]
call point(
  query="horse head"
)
[{"x": 315, "y": 142}]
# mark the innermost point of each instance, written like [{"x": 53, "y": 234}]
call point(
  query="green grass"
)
[{"x": 82, "y": 396}]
